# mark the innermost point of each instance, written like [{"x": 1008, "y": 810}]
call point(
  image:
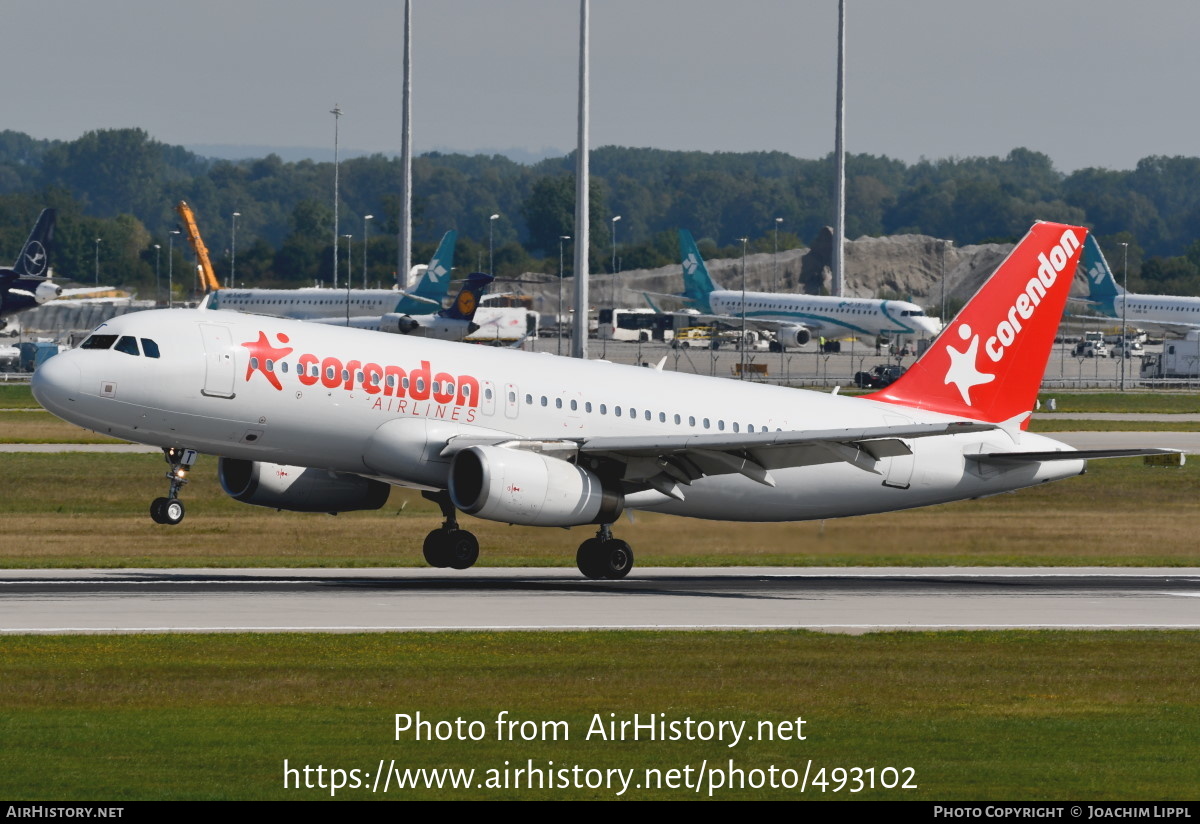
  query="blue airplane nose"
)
[{"x": 56, "y": 383}]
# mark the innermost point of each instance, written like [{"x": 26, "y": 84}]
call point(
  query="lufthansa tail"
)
[
  {"x": 34, "y": 260},
  {"x": 988, "y": 363},
  {"x": 467, "y": 302}
]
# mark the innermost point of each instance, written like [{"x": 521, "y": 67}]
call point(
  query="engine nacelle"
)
[
  {"x": 519, "y": 487},
  {"x": 46, "y": 290},
  {"x": 298, "y": 488},
  {"x": 398, "y": 324},
  {"x": 794, "y": 335}
]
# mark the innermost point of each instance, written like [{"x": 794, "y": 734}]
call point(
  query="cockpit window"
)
[
  {"x": 150, "y": 348},
  {"x": 99, "y": 342},
  {"x": 128, "y": 345}
]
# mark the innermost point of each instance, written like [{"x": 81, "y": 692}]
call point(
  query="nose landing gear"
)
[{"x": 169, "y": 510}]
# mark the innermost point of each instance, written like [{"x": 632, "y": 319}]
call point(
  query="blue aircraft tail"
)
[
  {"x": 465, "y": 304},
  {"x": 697, "y": 285},
  {"x": 434, "y": 283},
  {"x": 1102, "y": 286},
  {"x": 34, "y": 260}
]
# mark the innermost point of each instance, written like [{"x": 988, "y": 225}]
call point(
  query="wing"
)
[{"x": 665, "y": 463}]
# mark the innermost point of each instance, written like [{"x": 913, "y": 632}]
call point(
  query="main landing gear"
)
[
  {"x": 604, "y": 556},
  {"x": 169, "y": 510},
  {"x": 449, "y": 546}
]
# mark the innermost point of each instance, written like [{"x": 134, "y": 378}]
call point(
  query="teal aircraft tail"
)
[
  {"x": 697, "y": 285},
  {"x": 1102, "y": 286},
  {"x": 427, "y": 297}
]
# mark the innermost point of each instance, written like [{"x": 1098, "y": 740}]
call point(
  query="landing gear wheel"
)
[
  {"x": 462, "y": 549},
  {"x": 608, "y": 559},
  {"x": 167, "y": 511},
  {"x": 436, "y": 550}
]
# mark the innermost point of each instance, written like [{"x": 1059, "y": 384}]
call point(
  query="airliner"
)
[
  {"x": 796, "y": 319},
  {"x": 1167, "y": 313},
  {"x": 318, "y": 418},
  {"x": 27, "y": 283},
  {"x": 306, "y": 304},
  {"x": 455, "y": 322}
]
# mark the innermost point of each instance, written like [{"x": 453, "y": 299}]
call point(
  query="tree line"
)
[{"x": 120, "y": 186}]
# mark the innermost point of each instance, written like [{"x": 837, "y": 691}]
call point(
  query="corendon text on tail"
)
[{"x": 323, "y": 419}]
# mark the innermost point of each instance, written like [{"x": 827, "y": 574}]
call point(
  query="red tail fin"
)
[{"x": 988, "y": 364}]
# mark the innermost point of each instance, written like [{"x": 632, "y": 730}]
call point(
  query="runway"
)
[{"x": 379, "y": 600}]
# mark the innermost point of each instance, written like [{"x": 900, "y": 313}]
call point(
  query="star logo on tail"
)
[
  {"x": 963, "y": 372},
  {"x": 261, "y": 353}
]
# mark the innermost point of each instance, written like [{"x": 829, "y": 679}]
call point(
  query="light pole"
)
[
  {"x": 613, "y": 293},
  {"x": 365, "y": 219},
  {"x": 775, "y": 288},
  {"x": 157, "y": 275},
  {"x": 742, "y": 369},
  {"x": 171, "y": 266},
  {"x": 98, "y": 260},
  {"x": 349, "y": 249},
  {"x": 945, "y": 243},
  {"x": 1124, "y": 303},
  {"x": 336, "y": 111},
  {"x": 558, "y": 319},
  {"x": 233, "y": 251},
  {"x": 491, "y": 256}
]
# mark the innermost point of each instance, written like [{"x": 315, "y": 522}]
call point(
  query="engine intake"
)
[
  {"x": 298, "y": 488},
  {"x": 519, "y": 487}
]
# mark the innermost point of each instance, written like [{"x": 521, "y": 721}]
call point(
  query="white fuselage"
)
[
  {"x": 305, "y": 304},
  {"x": 829, "y": 317},
  {"x": 1148, "y": 310},
  {"x": 281, "y": 391}
]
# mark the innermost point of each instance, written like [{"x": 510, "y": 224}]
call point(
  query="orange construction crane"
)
[{"x": 207, "y": 277}]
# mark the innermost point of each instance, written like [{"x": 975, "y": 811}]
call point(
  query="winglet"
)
[{"x": 988, "y": 364}]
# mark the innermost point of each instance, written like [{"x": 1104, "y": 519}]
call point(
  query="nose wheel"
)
[
  {"x": 604, "y": 556},
  {"x": 449, "y": 546},
  {"x": 170, "y": 510}
]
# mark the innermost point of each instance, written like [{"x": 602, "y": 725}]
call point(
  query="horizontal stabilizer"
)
[{"x": 1066, "y": 455}]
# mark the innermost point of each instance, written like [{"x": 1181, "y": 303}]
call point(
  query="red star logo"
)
[{"x": 262, "y": 351}]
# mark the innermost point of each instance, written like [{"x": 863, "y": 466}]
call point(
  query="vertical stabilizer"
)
[
  {"x": 697, "y": 285},
  {"x": 434, "y": 282},
  {"x": 988, "y": 364}
]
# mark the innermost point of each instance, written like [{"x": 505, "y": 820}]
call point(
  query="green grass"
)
[
  {"x": 1001, "y": 715},
  {"x": 1053, "y": 425},
  {"x": 91, "y": 510},
  {"x": 17, "y": 396},
  {"x": 1163, "y": 403}
]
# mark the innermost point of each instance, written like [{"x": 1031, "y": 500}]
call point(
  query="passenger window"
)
[
  {"x": 721, "y": 425},
  {"x": 678, "y": 419},
  {"x": 603, "y": 409},
  {"x": 662, "y": 417},
  {"x": 617, "y": 411},
  {"x": 706, "y": 423},
  {"x": 528, "y": 399},
  {"x": 647, "y": 414},
  {"x": 487, "y": 393},
  {"x": 691, "y": 420},
  {"x": 558, "y": 403},
  {"x": 150, "y": 348},
  {"x": 632, "y": 412},
  {"x": 545, "y": 402},
  {"x": 587, "y": 407},
  {"x": 128, "y": 345}
]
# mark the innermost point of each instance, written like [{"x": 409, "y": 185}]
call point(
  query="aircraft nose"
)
[{"x": 56, "y": 382}]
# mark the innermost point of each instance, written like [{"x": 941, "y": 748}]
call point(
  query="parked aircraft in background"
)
[
  {"x": 27, "y": 284},
  {"x": 453, "y": 323},
  {"x": 1164, "y": 313},
  {"x": 310, "y": 417},
  {"x": 306, "y": 304},
  {"x": 796, "y": 319}
]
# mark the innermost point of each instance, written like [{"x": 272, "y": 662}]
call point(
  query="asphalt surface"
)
[{"x": 375, "y": 600}]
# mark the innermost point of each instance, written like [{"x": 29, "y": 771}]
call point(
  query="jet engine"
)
[
  {"x": 298, "y": 488},
  {"x": 397, "y": 324},
  {"x": 794, "y": 335},
  {"x": 520, "y": 487},
  {"x": 47, "y": 290}
]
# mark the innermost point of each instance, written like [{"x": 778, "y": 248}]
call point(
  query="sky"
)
[{"x": 1088, "y": 82}]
